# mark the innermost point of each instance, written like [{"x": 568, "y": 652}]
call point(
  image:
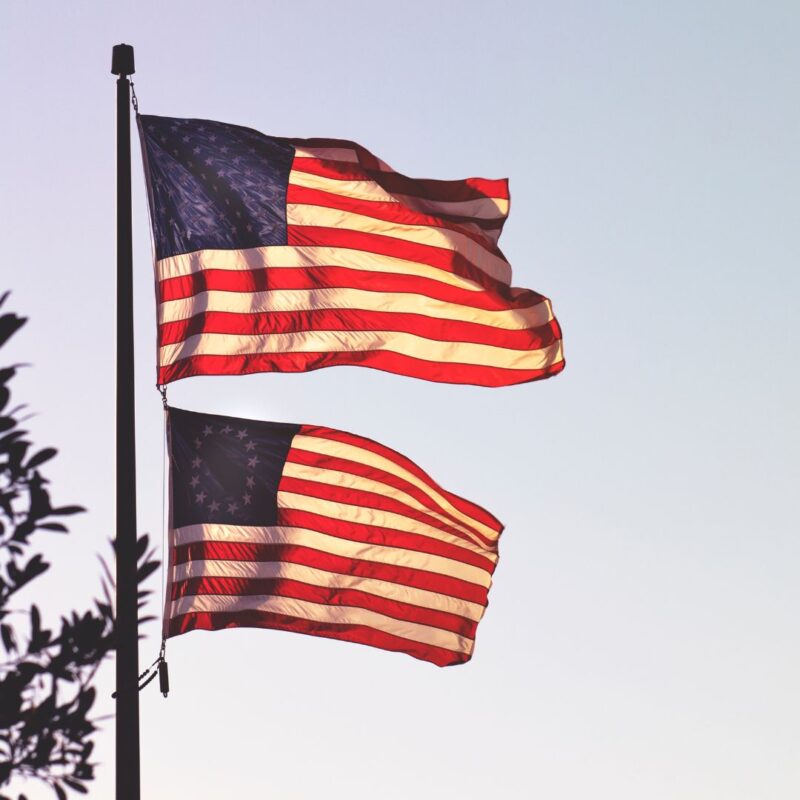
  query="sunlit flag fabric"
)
[
  {"x": 288, "y": 255},
  {"x": 318, "y": 531}
]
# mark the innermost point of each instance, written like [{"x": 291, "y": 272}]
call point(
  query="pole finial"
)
[{"x": 122, "y": 60}]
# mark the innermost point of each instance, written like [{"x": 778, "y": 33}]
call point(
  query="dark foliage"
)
[{"x": 46, "y": 693}]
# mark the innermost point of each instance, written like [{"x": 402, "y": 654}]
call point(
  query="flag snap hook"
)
[{"x": 134, "y": 100}]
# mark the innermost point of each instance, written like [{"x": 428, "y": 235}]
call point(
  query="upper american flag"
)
[
  {"x": 288, "y": 255},
  {"x": 319, "y": 531}
]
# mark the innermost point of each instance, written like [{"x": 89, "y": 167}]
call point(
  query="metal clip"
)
[{"x": 134, "y": 100}]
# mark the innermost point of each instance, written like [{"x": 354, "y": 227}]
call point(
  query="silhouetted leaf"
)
[
  {"x": 9, "y": 325},
  {"x": 9, "y": 640},
  {"x": 141, "y": 546},
  {"x": 146, "y": 570},
  {"x": 41, "y": 457},
  {"x": 64, "y": 510},
  {"x": 36, "y": 566},
  {"x": 24, "y": 530},
  {"x": 7, "y": 440},
  {"x": 53, "y": 526}
]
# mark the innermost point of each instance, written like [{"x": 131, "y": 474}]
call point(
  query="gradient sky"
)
[{"x": 641, "y": 640}]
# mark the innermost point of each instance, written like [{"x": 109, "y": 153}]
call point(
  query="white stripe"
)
[
  {"x": 247, "y": 570},
  {"x": 363, "y": 551},
  {"x": 443, "y": 238},
  {"x": 328, "y": 153},
  {"x": 377, "y": 517},
  {"x": 346, "y": 480},
  {"x": 347, "y": 298},
  {"x": 483, "y": 208},
  {"x": 227, "y": 344},
  {"x": 347, "y": 154},
  {"x": 340, "y": 615},
  {"x": 306, "y": 256},
  {"x": 487, "y": 208},
  {"x": 331, "y": 447}
]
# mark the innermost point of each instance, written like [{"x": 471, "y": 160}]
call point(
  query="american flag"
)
[
  {"x": 315, "y": 530},
  {"x": 288, "y": 255}
]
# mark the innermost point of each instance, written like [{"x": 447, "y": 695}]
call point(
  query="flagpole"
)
[{"x": 127, "y": 727}]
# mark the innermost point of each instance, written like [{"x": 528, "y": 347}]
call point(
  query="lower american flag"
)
[
  {"x": 288, "y": 255},
  {"x": 315, "y": 530}
]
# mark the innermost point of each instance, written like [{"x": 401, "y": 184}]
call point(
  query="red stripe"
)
[
  {"x": 353, "y": 319},
  {"x": 331, "y": 277},
  {"x": 329, "y": 596},
  {"x": 388, "y": 212},
  {"x": 296, "y": 554},
  {"x": 444, "y": 191},
  {"x": 360, "y": 634},
  {"x": 384, "y": 537},
  {"x": 319, "y": 461},
  {"x": 374, "y": 500},
  {"x": 365, "y": 158},
  {"x": 466, "y": 506},
  {"x": 440, "y": 257},
  {"x": 386, "y": 361}
]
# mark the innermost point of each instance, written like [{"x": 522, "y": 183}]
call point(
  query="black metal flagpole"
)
[{"x": 127, "y": 733}]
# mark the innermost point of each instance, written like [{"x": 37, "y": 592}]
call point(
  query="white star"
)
[
  {"x": 200, "y": 498},
  {"x": 214, "y": 506},
  {"x": 194, "y": 481},
  {"x": 249, "y": 446},
  {"x": 251, "y": 462},
  {"x": 251, "y": 482},
  {"x": 233, "y": 508},
  {"x": 197, "y": 442},
  {"x": 207, "y": 431},
  {"x": 226, "y": 429},
  {"x": 247, "y": 498},
  {"x": 242, "y": 433},
  {"x": 196, "y": 462}
]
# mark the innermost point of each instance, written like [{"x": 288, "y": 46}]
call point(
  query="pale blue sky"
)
[{"x": 641, "y": 640}]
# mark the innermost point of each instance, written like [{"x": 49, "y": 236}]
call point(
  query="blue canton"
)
[
  {"x": 226, "y": 470},
  {"x": 213, "y": 185}
]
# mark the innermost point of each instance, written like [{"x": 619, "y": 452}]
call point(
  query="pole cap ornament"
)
[{"x": 122, "y": 60}]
